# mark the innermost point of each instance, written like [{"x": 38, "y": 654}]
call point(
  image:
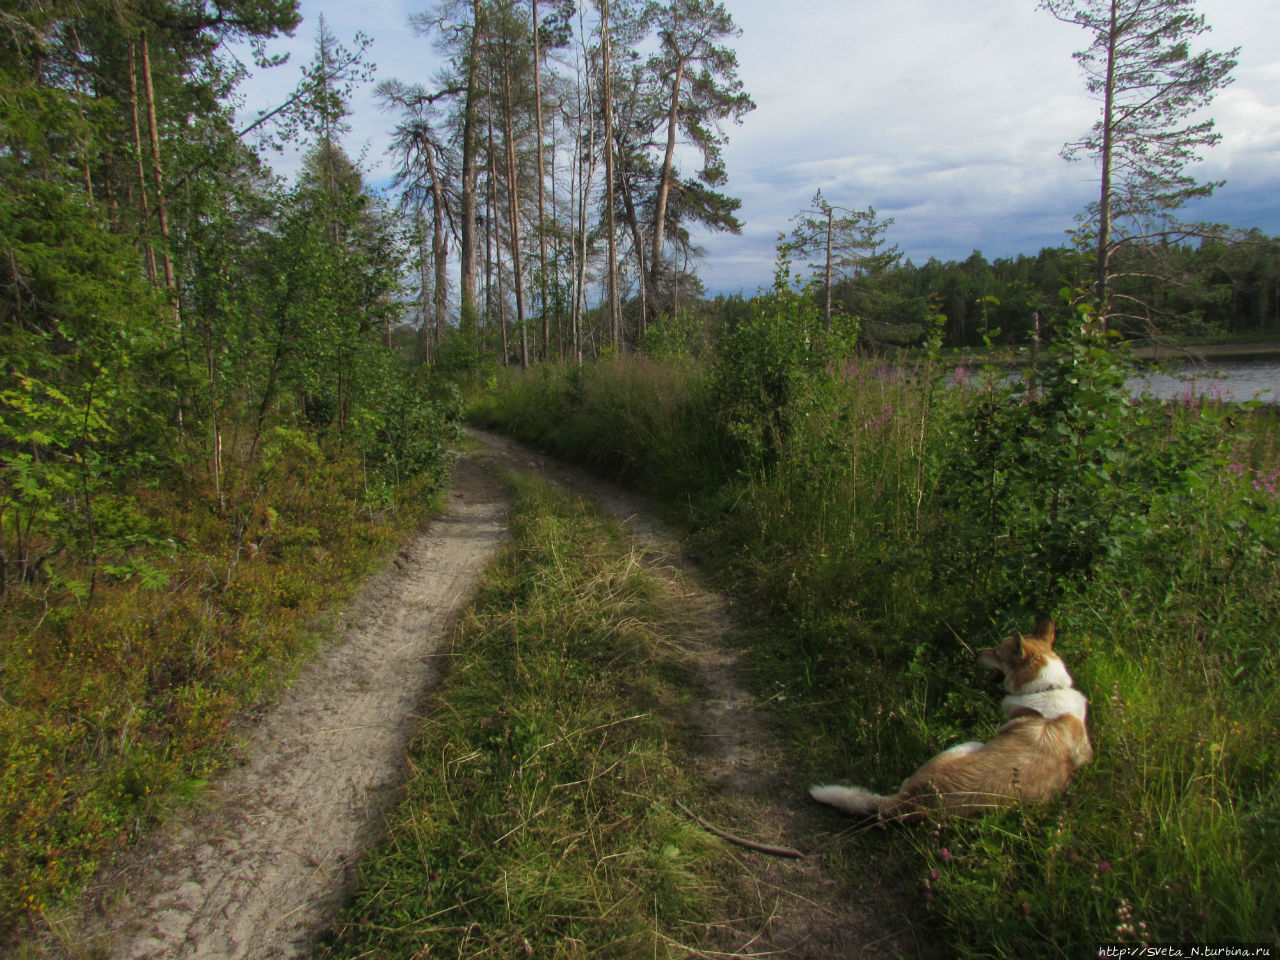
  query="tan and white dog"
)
[{"x": 1029, "y": 760}]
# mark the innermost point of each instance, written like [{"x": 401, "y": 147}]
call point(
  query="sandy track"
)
[{"x": 262, "y": 865}]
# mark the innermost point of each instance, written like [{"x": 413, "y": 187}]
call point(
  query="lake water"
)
[
  {"x": 1231, "y": 380},
  {"x": 1218, "y": 379}
]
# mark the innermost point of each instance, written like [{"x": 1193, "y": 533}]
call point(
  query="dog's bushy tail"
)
[{"x": 854, "y": 800}]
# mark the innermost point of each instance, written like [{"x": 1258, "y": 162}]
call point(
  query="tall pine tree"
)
[{"x": 1151, "y": 85}]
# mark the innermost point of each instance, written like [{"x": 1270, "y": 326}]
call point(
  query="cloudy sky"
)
[{"x": 947, "y": 115}]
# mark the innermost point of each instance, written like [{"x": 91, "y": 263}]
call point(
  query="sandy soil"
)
[{"x": 259, "y": 868}]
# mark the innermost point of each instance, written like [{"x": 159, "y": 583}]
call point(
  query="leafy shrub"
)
[
  {"x": 419, "y": 422},
  {"x": 1055, "y": 473},
  {"x": 770, "y": 368}
]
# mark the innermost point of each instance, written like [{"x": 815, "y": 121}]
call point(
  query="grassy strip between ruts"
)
[{"x": 540, "y": 818}]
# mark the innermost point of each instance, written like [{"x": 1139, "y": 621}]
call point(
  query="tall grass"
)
[
  {"x": 900, "y": 524},
  {"x": 613, "y": 417}
]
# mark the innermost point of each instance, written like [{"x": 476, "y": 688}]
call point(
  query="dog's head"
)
[{"x": 1026, "y": 663}]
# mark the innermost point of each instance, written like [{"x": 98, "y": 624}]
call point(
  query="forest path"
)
[{"x": 257, "y": 869}]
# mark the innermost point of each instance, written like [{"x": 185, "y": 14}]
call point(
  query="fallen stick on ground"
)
[{"x": 749, "y": 844}]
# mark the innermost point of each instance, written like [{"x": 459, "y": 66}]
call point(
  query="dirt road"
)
[{"x": 257, "y": 869}]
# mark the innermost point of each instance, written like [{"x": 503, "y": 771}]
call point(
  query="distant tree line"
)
[
  {"x": 1217, "y": 288},
  {"x": 1223, "y": 286}
]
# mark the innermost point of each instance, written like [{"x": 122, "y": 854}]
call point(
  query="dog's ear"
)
[{"x": 1046, "y": 630}]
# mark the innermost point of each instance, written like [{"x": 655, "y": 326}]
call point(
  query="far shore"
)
[
  {"x": 1142, "y": 351},
  {"x": 1262, "y": 350}
]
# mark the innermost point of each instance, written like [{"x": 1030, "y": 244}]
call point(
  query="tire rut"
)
[
  {"x": 259, "y": 866},
  {"x": 797, "y": 907}
]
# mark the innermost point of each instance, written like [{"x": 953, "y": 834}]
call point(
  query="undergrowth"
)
[
  {"x": 116, "y": 705},
  {"x": 890, "y": 520},
  {"x": 540, "y": 819}
]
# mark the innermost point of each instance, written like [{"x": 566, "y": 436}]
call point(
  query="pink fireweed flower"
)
[
  {"x": 1262, "y": 482},
  {"x": 960, "y": 375},
  {"x": 1266, "y": 483},
  {"x": 883, "y": 417}
]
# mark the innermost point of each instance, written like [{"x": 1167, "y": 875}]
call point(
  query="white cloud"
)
[{"x": 950, "y": 117}]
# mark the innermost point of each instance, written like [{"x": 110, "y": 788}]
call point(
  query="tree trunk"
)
[
  {"x": 439, "y": 243},
  {"x": 158, "y": 173},
  {"x": 492, "y": 244},
  {"x": 586, "y": 173},
  {"x": 513, "y": 211},
  {"x": 143, "y": 210},
  {"x": 542, "y": 216},
  {"x": 557, "y": 288},
  {"x": 606, "y": 55},
  {"x": 1104, "y": 199},
  {"x": 827, "y": 277},
  {"x": 427, "y": 337},
  {"x": 664, "y": 177},
  {"x": 637, "y": 241},
  {"x": 470, "y": 147}
]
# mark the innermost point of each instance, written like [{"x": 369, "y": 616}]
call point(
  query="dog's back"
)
[{"x": 1028, "y": 761}]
